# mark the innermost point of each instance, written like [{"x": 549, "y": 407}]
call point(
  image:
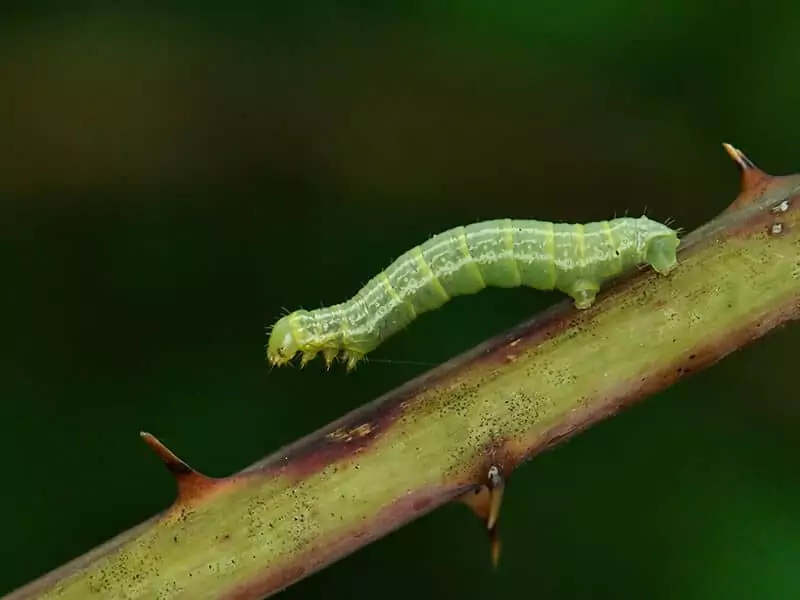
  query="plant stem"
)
[{"x": 438, "y": 438}]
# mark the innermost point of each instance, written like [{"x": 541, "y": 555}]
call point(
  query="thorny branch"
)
[{"x": 457, "y": 432}]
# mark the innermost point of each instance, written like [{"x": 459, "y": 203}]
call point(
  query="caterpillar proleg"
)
[{"x": 575, "y": 259}]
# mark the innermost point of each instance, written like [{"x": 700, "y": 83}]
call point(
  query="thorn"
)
[
  {"x": 486, "y": 501},
  {"x": 739, "y": 156},
  {"x": 752, "y": 177},
  {"x": 496, "y": 489},
  {"x": 191, "y": 484}
]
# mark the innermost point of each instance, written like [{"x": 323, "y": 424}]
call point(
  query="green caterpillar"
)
[{"x": 576, "y": 259}]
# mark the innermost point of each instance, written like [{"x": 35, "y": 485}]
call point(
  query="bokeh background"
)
[{"x": 173, "y": 176}]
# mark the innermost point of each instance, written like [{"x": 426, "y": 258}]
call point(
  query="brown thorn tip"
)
[
  {"x": 496, "y": 546},
  {"x": 752, "y": 178},
  {"x": 739, "y": 157},
  {"x": 190, "y": 483},
  {"x": 174, "y": 464}
]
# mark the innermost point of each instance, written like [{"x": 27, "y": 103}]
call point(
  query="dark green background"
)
[{"x": 171, "y": 178}]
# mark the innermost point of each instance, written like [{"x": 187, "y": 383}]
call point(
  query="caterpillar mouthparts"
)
[{"x": 576, "y": 259}]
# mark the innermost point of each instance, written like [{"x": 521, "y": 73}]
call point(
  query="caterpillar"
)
[{"x": 575, "y": 259}]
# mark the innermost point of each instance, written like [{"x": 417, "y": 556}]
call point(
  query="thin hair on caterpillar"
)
[
  {"x": 394, "y": 361},
  {"x": 679, "y": 231},
  {"x": 400, "y": 361},
  {"x": 577, "y": 259}
]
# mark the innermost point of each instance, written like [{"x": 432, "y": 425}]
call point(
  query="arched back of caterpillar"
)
[{"x": 575, "y": 259}]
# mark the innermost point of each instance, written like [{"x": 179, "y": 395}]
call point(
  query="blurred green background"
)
[{"x": 173, "y": 176}]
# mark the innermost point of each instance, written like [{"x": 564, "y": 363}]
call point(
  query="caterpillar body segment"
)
[{"x": 573, "y": 258}]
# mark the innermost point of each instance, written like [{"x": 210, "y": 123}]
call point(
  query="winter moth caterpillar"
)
[{"x": 576, "y": 259}]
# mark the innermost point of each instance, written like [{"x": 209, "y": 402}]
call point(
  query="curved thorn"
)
[
  {"x": 191, "y": 483},
  {"x": 739, "y": 157},
  {"x": 496, "y": 488},
  {"x": 485, "y": 501},
  {"x": 753, "y": 179}
]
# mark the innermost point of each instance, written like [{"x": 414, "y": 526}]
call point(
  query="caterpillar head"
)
[
  {"x": 661, "y": 247},
  {"x": 283, "y": 343}
]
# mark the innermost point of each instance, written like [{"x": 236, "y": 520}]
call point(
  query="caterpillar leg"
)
[
  {"x": 329, "y": 354},
  {"x": 307, "y": 357},
  {"x": 662, "y": 253},
  {"x": 663, "y": 264},
  {"x": 352, "y": 357},
  {"x": 584, "y": 298}
]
